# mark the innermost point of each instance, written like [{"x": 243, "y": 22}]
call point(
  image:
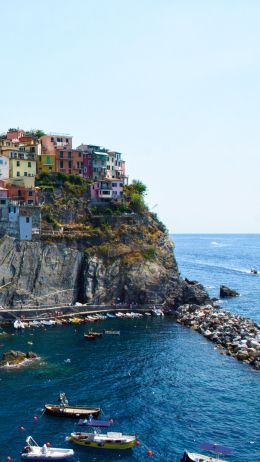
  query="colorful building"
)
[
  {"x": 22, "y": 164},
  {"x": 4, "y": 168},
  {"x": 15, "y": 134},
  {"x": 107, "y": 190}
]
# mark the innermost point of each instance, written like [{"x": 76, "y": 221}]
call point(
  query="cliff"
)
[{"x": 95, "y": 259}]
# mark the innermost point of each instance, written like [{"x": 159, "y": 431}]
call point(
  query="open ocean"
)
[{"x": 157, "y": 378}]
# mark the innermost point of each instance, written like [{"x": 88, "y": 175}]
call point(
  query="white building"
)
[{"x": 4, "y": 168}]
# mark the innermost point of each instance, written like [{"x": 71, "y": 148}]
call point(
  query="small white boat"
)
[
  {"x": 48, "y": 322},
  {"x": 18, "y": 324},
  {"x": 147, "y": 314},
  {"x": 195, "y": 457},
  {"x": 32, "y": 451},
  {"x": 112, "y": 332},
  {"x": 157, "y": 312}
]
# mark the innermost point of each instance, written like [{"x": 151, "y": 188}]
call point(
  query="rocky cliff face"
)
[{"x": 133, "y": 262}]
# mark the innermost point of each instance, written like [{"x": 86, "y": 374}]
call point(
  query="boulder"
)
[
  {"x": 13, "y": 358},
  {"x": 227, "y": 292}
]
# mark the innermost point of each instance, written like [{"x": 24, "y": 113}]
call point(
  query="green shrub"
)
[{"x": 149, "y": 253}]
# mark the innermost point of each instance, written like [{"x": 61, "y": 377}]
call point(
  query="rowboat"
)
[
  {"x": 112, "y": 332},
  {"x": 94, "y": 422},
  {"x": 64, "y": 410},
  {"x": 32, "y": 451},
  {"x": 110, "y": 440}
]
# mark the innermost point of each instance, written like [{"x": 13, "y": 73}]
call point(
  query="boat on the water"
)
[
  {"x": 32, "y": 451},
  {"x": 195, "y": 457},
  {"x": 112, "y": 332},
  {"x": 253, "y": 271},
  {"x": 213, "y": 448},
  {"x": 94, "y": 422},
  {"x": 110, "y": 315},
  {"x": 90, "y": 337},
  {"x": 110, "y": 440},
  {"x": 65, "y": 410},
  {"x": 157, "y": 311},
  {"x": 18, "y": 324},
  {"x": 96, "y": 334}
]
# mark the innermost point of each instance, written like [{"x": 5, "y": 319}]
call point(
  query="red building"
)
[
  {"x": 15, "y": 134},
  {"x": 69, "y": 161}
]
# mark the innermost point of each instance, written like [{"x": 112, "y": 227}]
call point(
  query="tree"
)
[
  {"x": 36, "y": 132},
  {"x": 139, "y": 187}
]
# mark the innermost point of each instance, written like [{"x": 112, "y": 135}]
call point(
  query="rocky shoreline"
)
[
  {"x": 13, "y": 358},
  {"x": 238, "y": 336}
]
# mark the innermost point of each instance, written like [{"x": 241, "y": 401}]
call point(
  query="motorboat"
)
[
  {"x": 32, "y": 451},
  {"x": 112, "y": 332},
  {"x": 110, "y": 440},
  {"x": 65, "y": 410},
  {"x": 213, "y": 448},
  {"x": 96, "y": 334},
  {"x": 253, "y": 271},
  {"x": 48, "y": 322},
  {"x": 157, "y": 311},
  {"x": 89, "y": 337},
  {"x": 110, "y": 315},
  {"x": 18, "y": 324},
  {"x": 195, "y": 457}
]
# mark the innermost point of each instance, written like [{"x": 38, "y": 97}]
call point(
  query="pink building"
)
[{"x": 107, "y": 190}]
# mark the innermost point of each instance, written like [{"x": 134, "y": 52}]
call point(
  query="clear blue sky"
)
[{"x": 173, "y": 84}]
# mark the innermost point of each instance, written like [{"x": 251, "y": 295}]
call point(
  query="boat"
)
[
  {"x": 109, "y": 315},
  {"x": 253, "y": 271},
  {"x": 110, "y": 440},
  {"x": 157, "y": 311},
  {"x": 147, "y": 314},
  {"x": 65, "y": 410},
  {"x": 213, "y": 448},
  {"x": 48, "y": 322},
  {"x": 90, "y": 422},
  {"x": 90, "y": 337},
  {"x": 96, "y": 334},
  {"x": 112, "y": 332},
  {"x": 32, "y": 451},
  {"x": 18, "y": 324}
]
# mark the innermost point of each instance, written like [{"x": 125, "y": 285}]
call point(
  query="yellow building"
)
[
  {"x": 22, "y": 164},
  {"x": 46, "y": 163}
]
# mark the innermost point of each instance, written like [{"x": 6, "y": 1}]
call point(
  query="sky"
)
[{"x": 172, "y": 84}]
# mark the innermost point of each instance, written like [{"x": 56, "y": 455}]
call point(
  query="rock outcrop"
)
[
  {"x": 238, "y": 336},
  {"x": 225, "y": 291},
  {"x": 133, "y": 263},
  {"x": 15, "y": 358}
]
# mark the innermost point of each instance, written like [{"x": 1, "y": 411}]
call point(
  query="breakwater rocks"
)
[{"x": 238, "y": 336}]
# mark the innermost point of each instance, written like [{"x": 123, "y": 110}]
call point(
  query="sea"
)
[{"x": 157, "y": 379}]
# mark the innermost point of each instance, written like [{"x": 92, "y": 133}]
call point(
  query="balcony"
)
[{"x": 105, "y": 193}]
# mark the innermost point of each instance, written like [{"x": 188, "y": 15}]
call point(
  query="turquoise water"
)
[{"x": 157, "y": 378}]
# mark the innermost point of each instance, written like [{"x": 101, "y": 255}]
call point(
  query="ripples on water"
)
[{"x": 158, "y": 378}]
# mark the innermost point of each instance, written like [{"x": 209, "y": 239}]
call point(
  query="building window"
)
[
  {"x": 25, "y": 173},
  {"x": 79, "y": 154},
  {"x": 61, "y": 154},
  {"x": 61, "y": 163},
  {"x": 32, "y": 149},
  {"x": 70, "y": 163},
  {"x": 18, "y": 163},
  {"x": 29, "y": 164},
  {"x": 27, "y": 220},
  {"x": 18, "y": 174},
  {"x": 30, "y": 193},
  {"x": 2, "y": 201},
  {"x": 52, "y": 139},
  {"x": 69, "y": 154},
  {"x": 67, "y": 140},
  {"x": 50, "y": 168}
]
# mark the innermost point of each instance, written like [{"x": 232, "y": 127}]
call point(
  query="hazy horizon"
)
[{"x": 173, "y": 85}]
